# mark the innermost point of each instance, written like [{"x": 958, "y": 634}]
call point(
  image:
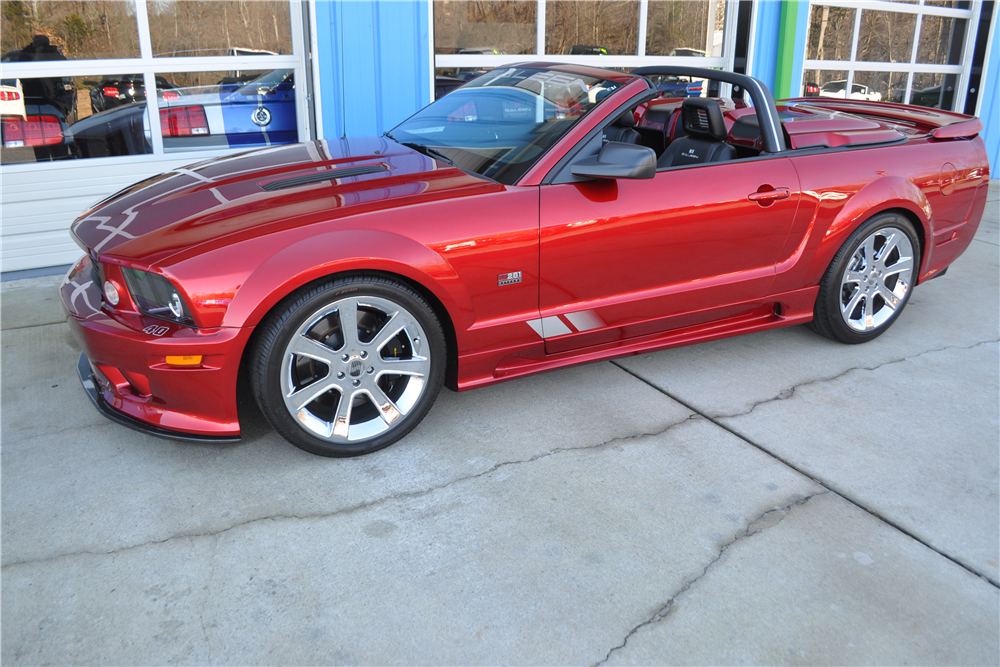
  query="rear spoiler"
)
[{"x": 967, "y": 128}]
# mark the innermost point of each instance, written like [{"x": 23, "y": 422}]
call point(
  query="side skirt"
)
[{"x": 779, "y": 310}]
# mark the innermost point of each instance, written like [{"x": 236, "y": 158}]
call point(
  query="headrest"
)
[
  {"x": 627, "y": 119},
  {"x": 703, "y": 118}
]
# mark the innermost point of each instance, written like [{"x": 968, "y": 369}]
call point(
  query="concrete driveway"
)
[{"x": 775, "y": 498}]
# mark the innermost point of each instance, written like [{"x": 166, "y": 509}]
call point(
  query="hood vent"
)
[{"x": 320, "y": 176}]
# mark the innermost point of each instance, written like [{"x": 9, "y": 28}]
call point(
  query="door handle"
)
[{"x": 768, "y": 195}]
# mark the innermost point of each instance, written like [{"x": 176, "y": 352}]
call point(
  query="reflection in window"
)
[
  {"x": 32, "y": 31},
  {"x": 448, "y": 79},
  {"x": 219, "y": 28},
  {"x": 933, "y": 90},
  {"x": 941, "y": 39},
  {"x": 205, "y": 110},
  {"x": 886, "y": 37},
  {"x": 484, "y": 26},
  {"x": 824, "y": 83},
  {"x": 880, "y": 86},
  {"x": 683, "y": 28},
  {"x": 831, "y": 30},
  {"x": 601, "y": 27},
  {"x": 64, "y": 118}
]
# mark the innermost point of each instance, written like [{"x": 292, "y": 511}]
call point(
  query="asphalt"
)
[{"x": 774, "y": 498}]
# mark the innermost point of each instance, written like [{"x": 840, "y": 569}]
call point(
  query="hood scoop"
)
[{"x": 320, "y": 176}]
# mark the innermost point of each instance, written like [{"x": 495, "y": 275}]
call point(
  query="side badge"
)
[{"x": 508, "y": 278}]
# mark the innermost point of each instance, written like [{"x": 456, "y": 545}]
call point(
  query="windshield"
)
[{"x": 500, "y": 123}]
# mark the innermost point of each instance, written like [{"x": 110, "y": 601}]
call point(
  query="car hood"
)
[{"x": 225, "y": 199}]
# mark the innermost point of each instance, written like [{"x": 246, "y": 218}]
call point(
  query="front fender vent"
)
[{"x": 320, "y": 176}]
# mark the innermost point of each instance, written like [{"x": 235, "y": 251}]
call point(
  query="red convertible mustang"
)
[{"x": 541, "y": 215}]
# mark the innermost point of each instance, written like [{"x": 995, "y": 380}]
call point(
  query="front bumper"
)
[
  {"x": 96, "y": 396},
  {"x": 124, "y": 362}
]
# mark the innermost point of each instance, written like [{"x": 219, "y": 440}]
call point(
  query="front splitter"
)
[{"x": 86, "y": 373}]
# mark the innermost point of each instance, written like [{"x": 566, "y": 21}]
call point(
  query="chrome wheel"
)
[
  {"x": 354, "y": 369},
  {"x": 876, "y": 280}
]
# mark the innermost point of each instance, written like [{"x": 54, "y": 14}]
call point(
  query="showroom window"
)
[
  {"x": 77, "y": 78},
  {"x": 471, "y": 36},
  {"x": 912, "y": 52}
]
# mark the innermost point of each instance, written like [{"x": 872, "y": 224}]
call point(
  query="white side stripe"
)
[
  {"x": 585, "y": 320},
  {"x": 550, "y": 327},
  {"x": 553, "y": 326}
]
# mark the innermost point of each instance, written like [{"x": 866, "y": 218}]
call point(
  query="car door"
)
[{"x": 624, "y": 258}]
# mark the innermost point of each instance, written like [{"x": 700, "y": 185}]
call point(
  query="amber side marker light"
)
[{"x": 184, "y": 360}]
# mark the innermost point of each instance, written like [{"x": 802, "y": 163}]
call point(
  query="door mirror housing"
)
[{"x": 618, "y": 160}]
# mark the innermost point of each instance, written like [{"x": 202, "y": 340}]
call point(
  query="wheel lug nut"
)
[
  {"x": 356, "y": 383},
  {"x": 345, "y": 357},
  {"x": 371, "y": 369},
  {"x": 340, "y": 376},
  {"x": 364, "y": 355}
]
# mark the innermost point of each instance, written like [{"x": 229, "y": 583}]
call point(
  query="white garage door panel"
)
[
  {"x": 37, "y": 206},
  {"x": 18, "y": 189},
  {"x": 45, "y": 216},
  {"x": 28, "y": 251}
]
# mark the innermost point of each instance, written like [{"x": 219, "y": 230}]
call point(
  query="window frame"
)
[
  {"x": 150, "y": 67},
  {"x": 725, "y": 61}
]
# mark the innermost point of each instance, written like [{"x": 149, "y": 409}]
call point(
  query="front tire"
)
[
  {"x": 869, "y": 280},
  {"x": 349, "y": 366}
]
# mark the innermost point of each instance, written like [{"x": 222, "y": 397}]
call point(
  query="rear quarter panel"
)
[{"x": 940, "y": 185}]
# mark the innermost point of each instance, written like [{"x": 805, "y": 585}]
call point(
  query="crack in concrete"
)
[
  {"x": 48, "y": 434},
  {"x": 758, "y": 525},
  {"x": 208, "y": 592},
  {"x": 618, "y": 440},
  {"x": 785, "y": 394},
  {"x": 971, "y": 569},
  {"x": 33, "y": 326}
]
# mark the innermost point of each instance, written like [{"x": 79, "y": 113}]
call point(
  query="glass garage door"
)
[
  {"x": 913, "y": 52},
  {"x": 96, "y": 95}
]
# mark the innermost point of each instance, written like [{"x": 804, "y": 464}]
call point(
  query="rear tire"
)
[
  {"x": 349, "y": 366},
  {"x": 869, "y": 281}
]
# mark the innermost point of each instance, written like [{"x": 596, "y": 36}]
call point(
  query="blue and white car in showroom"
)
[{"x": 257, "y": 113}]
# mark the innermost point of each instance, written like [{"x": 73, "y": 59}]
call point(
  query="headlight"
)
[{"x": 154, "y": 295}]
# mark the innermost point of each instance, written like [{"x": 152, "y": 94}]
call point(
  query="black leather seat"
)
[
  {"x": 706, "y": 136},
  {"x": 622, "y": 130}
]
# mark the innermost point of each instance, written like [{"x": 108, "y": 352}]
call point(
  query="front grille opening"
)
[{"x": 95, "y": 275}]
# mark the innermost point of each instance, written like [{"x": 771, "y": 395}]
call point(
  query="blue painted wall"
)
[
  {"x": 989, "y": 111},
  {"x": 374, "y": 64},
  {"x": 765, "y": 55}
]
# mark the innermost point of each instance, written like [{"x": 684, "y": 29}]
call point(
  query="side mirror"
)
[{"x": 618, "y": 160}]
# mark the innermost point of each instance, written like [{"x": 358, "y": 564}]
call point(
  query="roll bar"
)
[{"x": 767, "y": 113}]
